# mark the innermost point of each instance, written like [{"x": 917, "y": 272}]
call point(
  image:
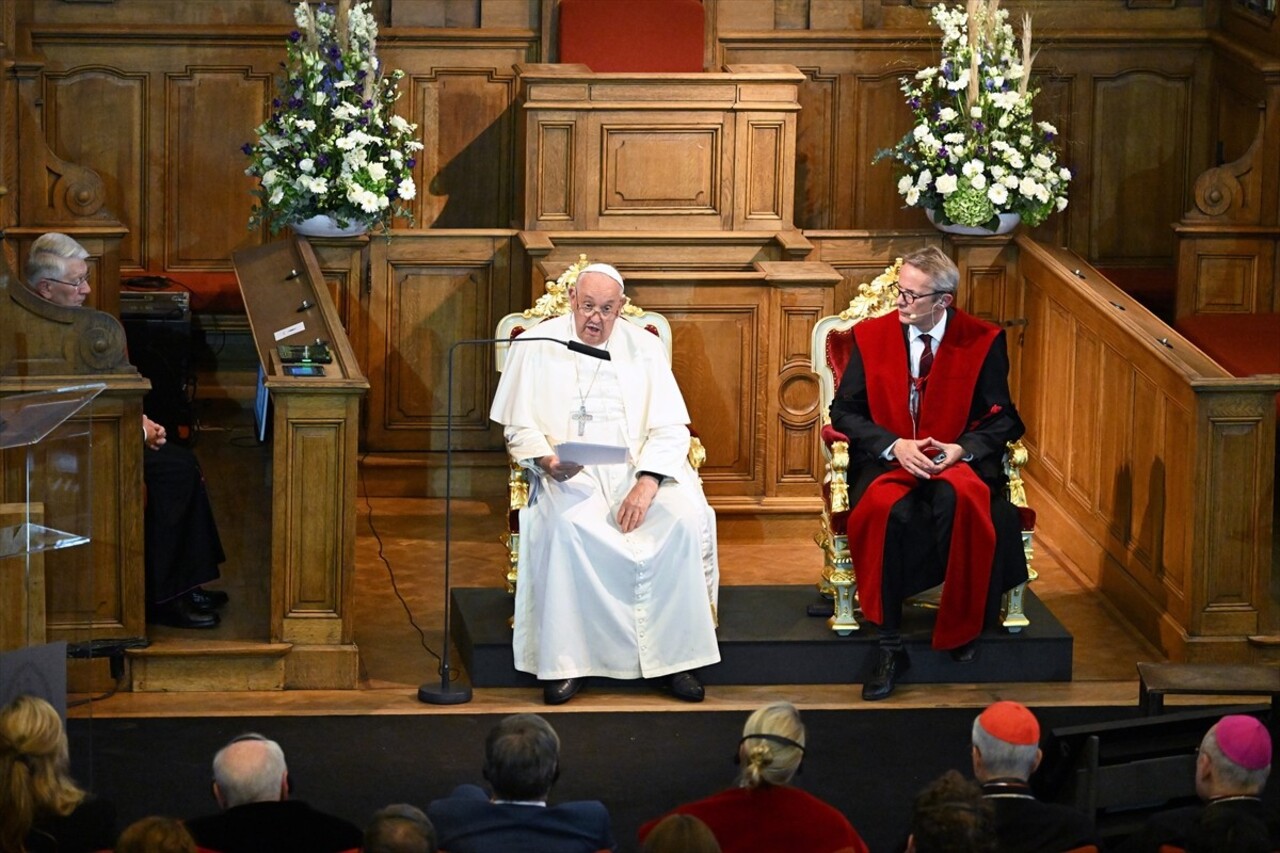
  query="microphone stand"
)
[{"x": 446, "y": 692}]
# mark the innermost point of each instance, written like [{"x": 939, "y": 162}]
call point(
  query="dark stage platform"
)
[{"x": 766, "y": 638}]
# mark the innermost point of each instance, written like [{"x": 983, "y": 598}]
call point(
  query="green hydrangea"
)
[{"x": 967, "y": 206}]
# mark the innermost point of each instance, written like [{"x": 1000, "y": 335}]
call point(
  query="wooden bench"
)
[{"x": 1156, "y": 680}]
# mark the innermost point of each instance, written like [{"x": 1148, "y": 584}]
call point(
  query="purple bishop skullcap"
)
[{"x": 1244, "y": 741}]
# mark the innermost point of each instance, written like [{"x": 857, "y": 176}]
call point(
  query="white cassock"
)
[{"x": 591, "y": 600}]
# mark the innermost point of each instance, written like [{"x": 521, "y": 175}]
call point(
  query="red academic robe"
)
[{"x": 965, "y": 401}]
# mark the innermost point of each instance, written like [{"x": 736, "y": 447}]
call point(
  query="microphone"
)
[{"x": 446, "y": 692}]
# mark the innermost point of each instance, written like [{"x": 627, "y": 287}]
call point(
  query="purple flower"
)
[
  {"x": 942, "y": 152},
  {"x": 247, "y": 149},
  {"x": 295, "y": 36},
  {"x": 322, "y": 160},
  {"x": 411, "y": 162},
  {"x": 914, "y": 103},
  {"x": 979, "y": 126}
]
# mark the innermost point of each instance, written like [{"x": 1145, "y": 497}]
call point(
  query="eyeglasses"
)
[
  {"x": 77, "y": 284},
  {"x": 605, "y": 311},
  {"x": 912, "y": 297}
]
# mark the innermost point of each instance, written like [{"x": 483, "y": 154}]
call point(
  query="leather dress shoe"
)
[
  {"x": 208, "y": 600},
  {"x": 181, "y": 613},
  {"x": 559, "y": 692},
  {"x": 890, "y": 664},
  {"x": 686, "y": 686},
  {"x": 965, "y": 653}
]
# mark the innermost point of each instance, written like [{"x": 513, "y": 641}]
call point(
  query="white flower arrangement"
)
[
  {"x": 333, "y": 144},
  {"x": 976, "y": 151}
]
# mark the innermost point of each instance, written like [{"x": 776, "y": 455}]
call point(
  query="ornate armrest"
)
[{"x": 835, "y": 445}]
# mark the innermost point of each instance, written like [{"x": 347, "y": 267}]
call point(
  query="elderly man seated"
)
[
  {"x": 1232, "y": 766},
  {"x": 619, "y": 575}
]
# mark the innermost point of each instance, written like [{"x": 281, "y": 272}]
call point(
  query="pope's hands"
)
[
  {"x": 636, "y": 504},
  {"x": 925, "y": 457},
  {"x": 557, "y": 470}
]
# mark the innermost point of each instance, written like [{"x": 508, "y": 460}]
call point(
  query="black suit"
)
[
  {"x": 286, "y": 826},
  {"x": 183, "y": 549},
  {"x": 913, "y": 563},
  {"x": 467, "y": 822},
  {"x": 1175, "y": 826},
  {"x": 1026, "y": 825}
]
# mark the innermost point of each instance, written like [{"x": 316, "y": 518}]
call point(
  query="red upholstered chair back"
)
[{"x": 632, "y": 35}]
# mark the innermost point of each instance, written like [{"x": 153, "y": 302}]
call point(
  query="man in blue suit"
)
[{"x": 521, "y": 763}]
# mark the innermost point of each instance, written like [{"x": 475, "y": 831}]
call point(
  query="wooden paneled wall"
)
[
  {"x": 1153, "y": 466},
  {"x": 158, "y": 97}
]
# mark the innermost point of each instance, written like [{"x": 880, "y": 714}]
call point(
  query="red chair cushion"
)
[
  {"x": 839, "y": 346},
  {"x": 632, "y": 35}
]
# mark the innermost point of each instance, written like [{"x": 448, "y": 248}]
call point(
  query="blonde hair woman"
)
[
  {"x": 41, "y": 807},
  {"x": 764, "y": 811}
]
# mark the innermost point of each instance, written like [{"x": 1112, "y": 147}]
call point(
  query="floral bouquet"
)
[
  {"x": 975, "y": 151},
  {"x": 333, "y": 145}
]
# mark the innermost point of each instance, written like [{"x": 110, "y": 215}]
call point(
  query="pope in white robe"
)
[{"x": 618, "y": 567}]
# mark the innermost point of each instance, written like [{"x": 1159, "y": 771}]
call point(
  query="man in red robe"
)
[{"x": 924, "y": 402}]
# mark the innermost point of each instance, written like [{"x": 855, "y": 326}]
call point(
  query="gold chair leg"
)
[
  {"x": 1011, "y": 615},
  {"x": 843, "y": 585}
]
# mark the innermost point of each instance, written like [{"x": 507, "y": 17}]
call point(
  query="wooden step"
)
[{"x": 208, "y": 665}]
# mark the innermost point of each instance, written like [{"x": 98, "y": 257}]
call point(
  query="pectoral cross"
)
[{"x": 581, "y": 417}]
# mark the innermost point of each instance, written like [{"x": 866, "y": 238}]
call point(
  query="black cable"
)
[
  {"x": 392, "y": 575},
  {"x": 91, "y": 699}
]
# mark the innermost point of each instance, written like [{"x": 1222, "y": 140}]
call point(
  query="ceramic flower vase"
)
[
  {"x": 1008, "y": 222},
  {"x": 324, "y": 225}
]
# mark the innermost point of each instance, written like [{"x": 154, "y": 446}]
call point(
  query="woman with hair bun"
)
[
  {"x": 41, "y": 807},
  {"x": 764, "y": 811}
]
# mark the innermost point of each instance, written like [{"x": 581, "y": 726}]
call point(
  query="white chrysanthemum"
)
[
  {"x": 1047, "y": 128},
  {"x": 905, "y": 183},
  {"x": 345, "y": 112},
  {"x": 920, "y": 131},
  {"x": 1061, "y": 203},
  {"x": 346, "y": 143},
  {"x": 1010, "y": 181},
  {"x": 270, "y": 177},
  {"x": 945, "y": 184},
  {"x": 912, "y": 197},
  {"x": 344, "y": 84},
  {"x": 399, "y": 125},
  {"x": 1025, "y": 141},
  {"x": 947, "y": 114},
  {"x": 305, "y": 124},
  {"x": 975, "y": 112},
  {"x": 978, "y": 181},
  {"x": 973, "y": 167},
  {"x": 998, "y": 194},
  {"x": 998, "y": 171},
  {"x": 276, "y": 195},
  {"x": 953, "y": 138},
  {"x": 961, "y": 82},
  {"x": 1015, "y": 159},
  {"x": 924, "y": 180},
  {"x": 1028, "y": 188},
  {"x": 406, "y": 189},
  {"x": 1064, "y": 173},
  {"x": 377, "y": 171},
  {"x": 1042, "y": 161},
  {"x": 926, "y": 73}
]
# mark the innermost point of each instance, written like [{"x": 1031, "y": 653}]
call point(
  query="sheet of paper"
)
[
  {"x": 290, "y": 330},
  {"x": 584, "y": 453}
]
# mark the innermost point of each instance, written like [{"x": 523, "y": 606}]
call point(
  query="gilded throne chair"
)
[
  {"x": 830, "y": 346},
  {"x": 554, "y": 303}
]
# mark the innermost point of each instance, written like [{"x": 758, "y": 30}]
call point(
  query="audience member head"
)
[
  {"x": 399, "y": 828},
  {"x": 34, "y": 768},
  {"x": 1006, "y": 743},
  {"x": 1220, "y": 831},
  {"x": 1234, "y": 759},
  {"x": 56, "y": 269},
  {"x": 926, "y": 285},
  {"x": 250, "y": 769},
  {"x": 522, "y": 758},
  {"x": 680, "y": 833},
  {"x": 155, "y": 835},
  {"x": 951, "y": 816},
  {"x": 597, "y": 301},
  {"x": 772, "y": 746}
]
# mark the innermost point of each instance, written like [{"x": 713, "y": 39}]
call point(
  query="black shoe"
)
[
  {"x": 181, "y": 613},
  {"x": 559, "y": 692},
  {"x": 965, "y": 653},
  {"x": 890, "y": 664},
  {"x": 686, "y": 686},
  {"x": 208, "y": 600}
]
